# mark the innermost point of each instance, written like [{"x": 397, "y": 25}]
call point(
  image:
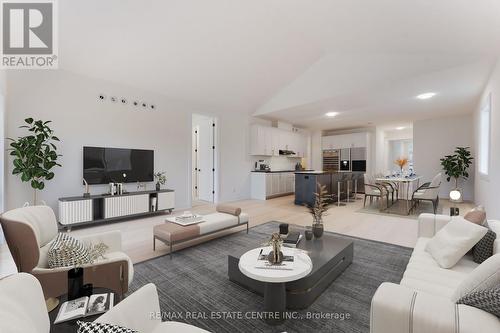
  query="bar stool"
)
[
  {"x": 348, "y": 179},
  {"x": 340, "y": 185},
  {"x": 356, "y": 188}
]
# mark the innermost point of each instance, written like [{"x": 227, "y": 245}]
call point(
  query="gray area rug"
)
[{"x": 195, "y": 284}]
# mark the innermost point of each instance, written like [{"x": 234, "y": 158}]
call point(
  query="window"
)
[{"x": 484, "y": 137}]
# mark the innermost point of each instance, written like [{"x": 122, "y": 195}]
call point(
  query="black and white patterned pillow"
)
[
  {"x": 67, "y": 251},
  {"x": 486, "y": 300},
  {"x": 484, "y": 248},
  {"x": 93, "y": 327}
]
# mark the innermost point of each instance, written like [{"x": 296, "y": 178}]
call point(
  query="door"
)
[{"x": 204, "y": 158}]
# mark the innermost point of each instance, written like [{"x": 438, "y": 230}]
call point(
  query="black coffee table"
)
[
  {"x": 70, "y": 325},
  {"x": 330, "y": 256}
]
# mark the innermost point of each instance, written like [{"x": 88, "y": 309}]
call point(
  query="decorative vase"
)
[
  {"x": 317, "y": 230},
  {"x": 75, "y": 283},
  {"x": 158, "y": 187},
  {"x": 309, "y": 234}
]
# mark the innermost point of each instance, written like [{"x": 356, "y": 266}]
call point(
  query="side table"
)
[{"x": 70, "y": 325}]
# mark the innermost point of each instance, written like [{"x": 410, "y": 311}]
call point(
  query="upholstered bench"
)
[{"x": 226, "y": 217}]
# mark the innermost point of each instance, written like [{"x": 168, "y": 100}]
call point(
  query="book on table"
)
[
  {"x": 292, "y": 239},
  {"x": 286, "y": 264},
  {"x": 84, "y": 307}
]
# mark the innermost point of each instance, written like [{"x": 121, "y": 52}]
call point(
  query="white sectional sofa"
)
[{"x": 424, "y": 301}]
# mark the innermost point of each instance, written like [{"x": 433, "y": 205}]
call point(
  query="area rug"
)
[
  {"x": 398, "y": 208},
  {"x": 194, "y": 288}
]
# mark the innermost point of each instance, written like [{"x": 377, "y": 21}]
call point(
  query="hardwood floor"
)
[{"x": 137, "y": 234}]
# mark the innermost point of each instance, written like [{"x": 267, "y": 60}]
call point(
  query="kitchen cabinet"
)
[
  {"x": 352, "y": 140},
  {"x": 268, "y": 141},
  {"x": 265, "y": 185}
]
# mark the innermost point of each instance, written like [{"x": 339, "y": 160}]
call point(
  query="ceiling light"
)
[
  {"x": 331, "y": 114},
  {"x": 426, "y": 95},
  {"x": 400, "y": 128}
]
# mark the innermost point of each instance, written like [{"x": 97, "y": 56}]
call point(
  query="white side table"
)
[{"x": 275, "y": 279}]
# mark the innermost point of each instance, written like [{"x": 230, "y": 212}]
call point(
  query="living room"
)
[{"x": 177, "y": 144}]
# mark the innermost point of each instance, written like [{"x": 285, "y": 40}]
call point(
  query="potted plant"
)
[
  {"x": 401, "y": 162},
  {"x": 161, "y": 179},
  {"x": 321, "y": 202},
  {"x": 35, "y": 154},
  {"x": 456, "y": 165}
]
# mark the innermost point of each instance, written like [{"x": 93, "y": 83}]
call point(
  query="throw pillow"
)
[
  {"x": 93, "y": 327},
  {"x": 483, "y": 277},
  {"x": 484, "y": 248},
  {"x": 486, "y": 300},
  {"x": 476, "y": 215},
  {"x": 453, "y": 241},
  {"x": 67, "y": 251}
]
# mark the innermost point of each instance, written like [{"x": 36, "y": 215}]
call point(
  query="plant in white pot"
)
[
  {"x": 456, "y": 166},
  {"x": 35, "y": 155}
]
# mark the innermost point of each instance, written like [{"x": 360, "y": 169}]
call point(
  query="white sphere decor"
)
[{"x": 455, "y": 195}]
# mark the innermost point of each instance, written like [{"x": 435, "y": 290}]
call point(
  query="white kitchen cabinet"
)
[
  {"x": 268, "y": 141},
  {"x": 257, "y": 140},
  {"x": 275, "y": 183},
  {"x": 353, "y": 140},
  {"x": 265, "y": 185}
]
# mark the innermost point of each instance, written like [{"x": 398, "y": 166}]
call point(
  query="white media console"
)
[{"x": 81, "y": 211}]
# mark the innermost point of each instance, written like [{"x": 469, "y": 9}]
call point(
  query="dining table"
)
[{"x": 404, "y": 185}]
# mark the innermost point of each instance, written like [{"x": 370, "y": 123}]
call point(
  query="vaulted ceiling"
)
[{"x": 290, "y": 59}]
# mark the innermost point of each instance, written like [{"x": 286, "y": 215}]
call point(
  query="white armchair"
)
[
  {"x": 148, "y": 319},
  {"x": 22, "y": 309},
  {"x": 29, "y": 232}
]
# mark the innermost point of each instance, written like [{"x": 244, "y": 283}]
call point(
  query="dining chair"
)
[
  {"x": 373, "y": 190},
  {"x": 428, "y": 192}
]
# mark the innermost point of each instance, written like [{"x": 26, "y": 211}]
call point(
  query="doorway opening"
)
[{"x": 204, "y": 160}]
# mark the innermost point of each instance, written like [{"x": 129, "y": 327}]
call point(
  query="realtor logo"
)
[{"x": 29, "y": 34}]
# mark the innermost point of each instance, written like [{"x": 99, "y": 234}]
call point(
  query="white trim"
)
[{"x": 486, "y": 105}]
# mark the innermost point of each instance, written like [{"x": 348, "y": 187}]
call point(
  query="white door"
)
[{"x": 206, "y": 156}]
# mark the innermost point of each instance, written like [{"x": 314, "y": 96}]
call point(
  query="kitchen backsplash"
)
[{"x": 277, "y": 163}]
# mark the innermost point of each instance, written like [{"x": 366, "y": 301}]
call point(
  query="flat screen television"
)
[{"x": 117, "y": 165}]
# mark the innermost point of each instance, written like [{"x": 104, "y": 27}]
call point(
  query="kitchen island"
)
[{"x": 305, "y": 184}]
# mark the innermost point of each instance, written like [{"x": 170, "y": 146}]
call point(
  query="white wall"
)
[
  {"x": 435, "y": 138},
  {"x": 235, "y": 160},
  {"x": 486, "y": 188},
  {"x": 80, "y": 119},
  {"x": 316, "y": 151}
]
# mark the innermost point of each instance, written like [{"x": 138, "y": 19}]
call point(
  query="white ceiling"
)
[{"x": 290, "y": 59}]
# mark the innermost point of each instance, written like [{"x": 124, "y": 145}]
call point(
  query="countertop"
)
[
  {"x": 107, "y": 195},
  {"x": 321, "y": 172},
  {"x": 278, "y": 171}
]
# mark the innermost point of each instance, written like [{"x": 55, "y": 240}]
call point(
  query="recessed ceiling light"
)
[
  {"x": 331, "y": 114},
  {"x": 426, "y": 95},
  {"x": 400, "y": 128}
]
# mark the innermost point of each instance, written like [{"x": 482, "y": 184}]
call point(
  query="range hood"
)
[{"x": 286, "y": 152}]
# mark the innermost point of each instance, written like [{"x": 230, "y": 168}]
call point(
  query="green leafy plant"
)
[
  {"x": 35, "y": 155},
  {"x": 321, "y": 202},
  {"x": 160, "y": 177},
  {"x": 456, "y": 165}
]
